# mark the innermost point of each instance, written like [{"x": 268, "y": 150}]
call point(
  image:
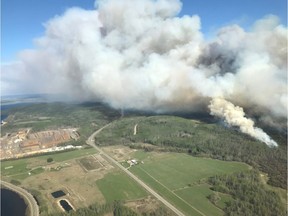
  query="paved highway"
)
[
  {"x": 29, "y": 199},
  {"x": 91, "y": 142}
]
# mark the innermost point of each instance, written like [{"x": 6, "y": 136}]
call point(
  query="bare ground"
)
[{"x": 78, "y": 184}]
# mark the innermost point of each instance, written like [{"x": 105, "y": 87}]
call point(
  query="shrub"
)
[{"x": 49, "y": 160}]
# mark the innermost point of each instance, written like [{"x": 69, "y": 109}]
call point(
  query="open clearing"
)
[
  {"x": 90, "y": 163},
  {"x": 83, "y": 175},
  {"x": 180, "y": 178},
  {"x": 20, "y": 166},
  {"x": 119, "y": 186},
  {"x": 64, "y": 173}
]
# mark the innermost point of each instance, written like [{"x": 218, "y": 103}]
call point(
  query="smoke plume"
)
[
  {"x": 140, "y": 54},
  {"x": 235, "y": 116}
]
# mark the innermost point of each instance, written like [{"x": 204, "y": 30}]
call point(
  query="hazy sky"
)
[{"x": 22, "y": 21}]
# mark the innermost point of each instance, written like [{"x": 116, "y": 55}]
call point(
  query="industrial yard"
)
[{"x": 24, "y": 142}]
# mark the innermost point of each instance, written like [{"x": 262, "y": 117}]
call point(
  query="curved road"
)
[
  {"x": 91, "y": 142},
  {"x": 29, "y": 199}
]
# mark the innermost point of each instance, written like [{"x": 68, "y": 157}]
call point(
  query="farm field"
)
[
  {"x": 78, "y": 175},
  {"x": 180, "y": 178},
  {"x": 118, "y": 186}
]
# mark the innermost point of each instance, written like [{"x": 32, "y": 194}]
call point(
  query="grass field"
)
[
  {"x": 22, "y": 166},
  {"x": 197, "y": 196},
  {"x": 118, "y": 186},
  {"x": 180, "y": 178}
]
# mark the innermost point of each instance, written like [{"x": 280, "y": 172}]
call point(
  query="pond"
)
[
  {"x": 58, "y": 194},
  {"x": 12, "y": 203},
  {"x": 65, "y": 205}
]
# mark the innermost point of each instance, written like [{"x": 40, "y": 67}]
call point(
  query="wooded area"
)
[
  {"x": 250, "y": 197},
  {"x": 170, "y": 133}
]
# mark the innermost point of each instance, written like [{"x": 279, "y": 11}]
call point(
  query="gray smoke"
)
[{"x": 139, "y": 54}]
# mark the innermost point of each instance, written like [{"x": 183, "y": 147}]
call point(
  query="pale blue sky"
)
[{"x": 22, "y": 21}]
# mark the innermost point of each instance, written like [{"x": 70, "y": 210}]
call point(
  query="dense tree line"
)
[
  {"x": 250, "y": 197},
  {"x": 87, "y": 117}
]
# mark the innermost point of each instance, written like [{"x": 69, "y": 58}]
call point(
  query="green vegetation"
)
[
  {"x": 197, "y": 196},
  {"x": 63, "y": 156},
  {"x": 185, "y": 169},
  {"x": 194, "y": 184},
  {"x": 116, "y": 208},
  {"x": 220, "y": 199},
  {"x": 181, "y": 178},
  {"x": 49, "y": 160},
  {"x": 13, "y": 167},
  {"x": 19, "y": 168},
  {"x": 118, "y": 186},
  {"x": 36, "y": 171},
  {"x": 15, "y": 182},
  {"x": 169, "y": 133},
  {"x": 87, "y": 117},
  {"x": 250, "y": 197},
  {"x": 166, "y": 193},
  {"x": 40, "y": 200}
]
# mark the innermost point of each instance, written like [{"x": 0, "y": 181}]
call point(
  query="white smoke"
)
[
  {"x": 235, "y": 116},
  {"x": 139, "y": 54}
]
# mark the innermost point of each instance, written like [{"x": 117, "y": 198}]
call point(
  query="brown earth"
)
[
  {"x": 24, "y": 142},
  {"x": 120, "y": 153},
  {"x": 79, "y": 185}
]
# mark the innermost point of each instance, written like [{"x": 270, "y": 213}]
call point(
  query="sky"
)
[{"x": 23, "y": 21}]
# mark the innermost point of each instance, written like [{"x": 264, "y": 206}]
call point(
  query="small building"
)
[{"x": 134, "y": 161}]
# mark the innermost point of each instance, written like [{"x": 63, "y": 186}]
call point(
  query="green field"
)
[
  {"x": 118, "y": 186},
  {"x": 13, "y": 167},
  {"x": 181, "y": 179},
  {"x": 19, "y": 168},
  {"x": 175, "y": 134},
  {"x": 197, "y": 196}
]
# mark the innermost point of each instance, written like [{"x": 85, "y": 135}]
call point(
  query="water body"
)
[
  {"x": 65, "y": 205},
  {"x": 58, "y": 194},
  {"x": 12, "y": 203},
  {"x": 5, "y": 107},
  {"x": 14, "y": 101}
]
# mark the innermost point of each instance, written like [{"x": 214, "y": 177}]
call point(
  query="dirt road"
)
[
  {"x": 135, "y": 129},
  {"x": 29, "y": 199},
  {"x": 91, "y": 142}
]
